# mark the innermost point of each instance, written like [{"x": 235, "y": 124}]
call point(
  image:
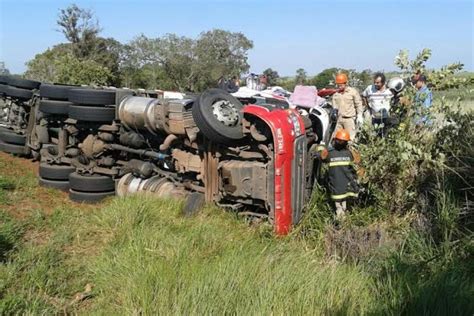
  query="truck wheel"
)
[
  {"x": 92, "y": 97},
  {"x": 13, "y": 149},
  {"x": 54, "y": 107},
  {"x": 22, "y": 94},
  {"x": 92, "y": 113},
  {"x": 55, "y": 184},
  {"x": 12, "y": 138},
  {"x": 88, "y": 197},
  {"x": 194, "y": 203},
  {"x": 55, "y": 172},
  {"x": 55, "y": 92},
  {"x": 92, "y": 183},
  {"x": 23, "y": 83},
  {"x": 218, "y": 115}
]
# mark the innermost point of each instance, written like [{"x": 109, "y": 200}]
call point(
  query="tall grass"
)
[
  {"x": 141, "y": 256},
  {"x": 213, "y": 265}
]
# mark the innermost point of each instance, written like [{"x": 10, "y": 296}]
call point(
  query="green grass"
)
[
  {"x": 464, "y": 97},
  {"x": 140, "y": 256}
]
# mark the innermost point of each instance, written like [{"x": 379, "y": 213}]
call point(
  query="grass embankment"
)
[{"x": 136, "y": 255}]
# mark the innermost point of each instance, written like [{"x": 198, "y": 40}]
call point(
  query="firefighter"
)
[
  {"x": 349, "y": 105},
  {"x": 342, "y": 176}
]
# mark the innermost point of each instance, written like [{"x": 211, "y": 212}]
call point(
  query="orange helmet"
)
[
  {"x": 343, "y": 134},
  {"x": 341, "y": 78}
]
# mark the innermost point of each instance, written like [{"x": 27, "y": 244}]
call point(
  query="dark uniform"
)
[{"x": 341, "y": 174}]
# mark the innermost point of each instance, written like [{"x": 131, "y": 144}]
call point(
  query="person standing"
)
[
  {"x": 423, "y": 94},
  {"x": 349, "y": 104},
  {"x": 423, "y": 99},
  {"x": 378, "y": 98},
  {"x": 342, "y": 176}
]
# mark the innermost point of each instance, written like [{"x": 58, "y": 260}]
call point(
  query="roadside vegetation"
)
[
  {"x": 406, "y": 248},
  {"x": 139, "y": 255}
]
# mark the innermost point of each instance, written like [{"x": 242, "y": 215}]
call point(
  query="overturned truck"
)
[
  {"x": 251, "y": 154},
  {"x": 254, "y": 159}
]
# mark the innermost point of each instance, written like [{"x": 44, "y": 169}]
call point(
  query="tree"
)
[
  {"x": 365, "y": 77},
  {"x": 189, "y": 64},
  {"x": 442, "y": 79},
  {"x": 301, "y": 76},
  {"x": 324, "y": 78},
  {"x": 44, "y": 66},
  {"x": 71, "y": 70},
  {"x": 171, "y": 55},
  {"x": 110, "y": 54},
  {"x": 80, "y": 28},
  {"x": 272, "y": 76},
  {"x": 60, "y": 65},
  {"x": 219, "y": 53}
]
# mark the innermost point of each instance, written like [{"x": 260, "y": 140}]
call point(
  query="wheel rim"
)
[{"x": 226, "y": 113}]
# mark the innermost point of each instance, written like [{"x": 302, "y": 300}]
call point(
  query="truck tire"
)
[
  {"x": 13, "y": 149},
  {"x": 92, "y": 97},
  {"x": 218, "y": 115},
  {"x": 23, "y": 83},
  {"x": 92, "y": 113},
  {"x": 92, "y": 183},
  {"x": 194, "y": 203},
  {"x": 12, "y": 138},
  {"x": 18, "y": 93},
  {"x": 55, "y": 92},
  {"x": 54, "y": 107},
  {"x": 55, "y": 172},
  {"x": 55, "y": 184},
  {"x": 88, "y": 197}
]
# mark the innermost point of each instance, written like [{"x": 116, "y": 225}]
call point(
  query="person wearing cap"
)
[
  {"x": 342, "y": 176},
  {"x": 423, "y": 94},
  {"x": 378, "y": 98},
  {"x": 423, "y": 98},
  {"x": 349, "y": 104}
]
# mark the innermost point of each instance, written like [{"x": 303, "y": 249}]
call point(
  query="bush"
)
[{"x": 412, "y": 227}]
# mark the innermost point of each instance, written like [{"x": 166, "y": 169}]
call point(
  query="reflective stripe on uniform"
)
[
  {"x": 340, "y": 163},
  {"x": 343, "y": 196}
]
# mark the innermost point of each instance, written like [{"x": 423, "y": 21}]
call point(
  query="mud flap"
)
[{"x": 210, "y": 174}]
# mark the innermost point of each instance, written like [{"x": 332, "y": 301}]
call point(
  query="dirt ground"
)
[{"x": 29, "y": 197}]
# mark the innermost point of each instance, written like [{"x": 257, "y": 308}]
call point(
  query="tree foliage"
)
[
  {"x": 188, "y": 64},
  {"x": 86, "y": 59},
  {"x": 324, "y": 78},
  {"x": 220, "y": 53},
  {"x": 440, "y": 79},
  {"x": 60, "y": 65},
  {"x": 404, "y": 169},
  {"x": 301, "y": 76},
  {"x": 80, "y": 28},
  {"x": 44, "y": 66},
  {"x": 272, "y": 76},
  {"x": 168, "y": 62}
]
